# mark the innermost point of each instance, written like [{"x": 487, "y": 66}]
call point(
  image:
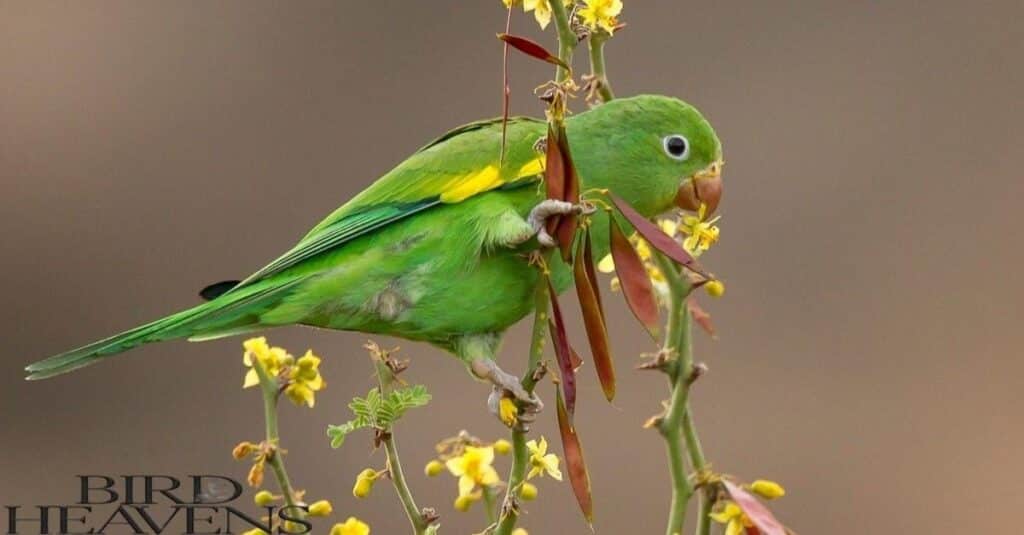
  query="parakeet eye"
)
[{"x": 677, "y": 147}]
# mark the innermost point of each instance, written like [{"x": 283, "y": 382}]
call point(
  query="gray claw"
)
[{"x": 539, "y": 216}]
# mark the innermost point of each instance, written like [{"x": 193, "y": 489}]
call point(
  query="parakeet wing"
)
[{"x": 454, "y": 167}]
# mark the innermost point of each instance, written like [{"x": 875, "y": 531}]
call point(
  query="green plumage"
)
[{"x": 435, "y": 250}]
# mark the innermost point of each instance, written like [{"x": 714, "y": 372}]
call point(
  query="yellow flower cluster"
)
[
  {"x": 472, "y": 462},
  {"x": 601, "y": 13},
  {"x": 700, "y": 236},
  {"x": 301, "y": 378}
]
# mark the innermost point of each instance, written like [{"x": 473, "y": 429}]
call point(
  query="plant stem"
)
[
  {"x": 567, "y": 42},
  {"x": 270, "y": 390},
  {"x": 419, "y": 524},
  {"x": 678, "y": 426},
  {"x": 492, "y": 515},
  {"x": 597, "y": 67},
  {"x": 670, "y": 426},
  {"x": 567, "y": 39},
  {"x": 520, "y": 454}
]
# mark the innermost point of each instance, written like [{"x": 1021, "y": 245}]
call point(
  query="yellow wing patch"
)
[{"x": 486, "y": 179}]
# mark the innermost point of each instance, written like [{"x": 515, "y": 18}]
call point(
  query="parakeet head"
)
[{"x": 655, "y": 152}]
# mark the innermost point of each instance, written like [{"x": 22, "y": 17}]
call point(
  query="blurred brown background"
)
[{"x": 870, "y": 342}]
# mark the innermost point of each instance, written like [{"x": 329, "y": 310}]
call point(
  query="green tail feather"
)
[{"x": 233, "y": 313}]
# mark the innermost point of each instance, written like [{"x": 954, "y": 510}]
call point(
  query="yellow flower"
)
[
  {"x": 715, "y": 288},
  {"x": 321, "y": 508},
  {"x": 541, "y": 10},
  {"x": 528, "y": 491},
  {"x": 473, "y": 468},
  {"x": 766, "y": 489},
  {"x": 263, "y": 498},
  {"x": 352, "y": 526},
  {"x": 433, "y": 468},
  {"x": 364, "y": 483},
  {"x": 304, "y": 380},
  {"x": 734, "y": 518},
  {"x": 519, "y": 531},
  {"x": 254, "y": 531},
  {"x": 701, "y": 234},
  {"x": 272, "y": 359},
  {"x": 601, "y": 13},
  {"x": 508, "y": 412},
  {"x": 542, "y": 461},
  {"x": 502, "y": 447}
]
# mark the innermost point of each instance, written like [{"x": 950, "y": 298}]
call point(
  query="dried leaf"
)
[
  {"x": 701, "y": 317},
  {"x": 593, "y": 320},
  {"x": 657, "y": 238},
  {"x": 574, "y": 463},
  {"x": 763, "y": 519},
  {"x": 636, "y": 285},
  {"x": 530, "y": 48},
  {"x": 563, "y": 353},
  {"x": 561, "y": 184}
]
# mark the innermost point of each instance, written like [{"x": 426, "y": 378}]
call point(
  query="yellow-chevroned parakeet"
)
[{"x": 435, "y": 250}]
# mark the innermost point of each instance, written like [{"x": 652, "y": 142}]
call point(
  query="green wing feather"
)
[
  {"x": 462, "y": 163},
  {"x": 457, "y": 165}
]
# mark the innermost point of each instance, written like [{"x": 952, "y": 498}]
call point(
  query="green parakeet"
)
[{"x": 435, "y": 250}]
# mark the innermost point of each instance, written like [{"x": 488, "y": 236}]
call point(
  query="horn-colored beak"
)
[{"x": 705, "y": 186}]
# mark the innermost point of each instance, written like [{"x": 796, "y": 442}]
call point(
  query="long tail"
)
[{"x": 233, "y": 313}]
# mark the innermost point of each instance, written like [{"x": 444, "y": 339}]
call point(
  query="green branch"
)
[
  {"x": 598, "y": 71},
  {"x": 271, "y": 393},
  {"x": 677, "y": 427},
  {"x": 520, "y": 453}
]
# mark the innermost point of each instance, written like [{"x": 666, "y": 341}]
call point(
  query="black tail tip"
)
[{"x": 217, "y": 289}]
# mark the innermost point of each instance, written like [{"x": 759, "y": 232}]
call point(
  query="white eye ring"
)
[{"x": 676, "y": 147}]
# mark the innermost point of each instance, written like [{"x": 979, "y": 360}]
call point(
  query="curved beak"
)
[{"x": 705, "y": 186}]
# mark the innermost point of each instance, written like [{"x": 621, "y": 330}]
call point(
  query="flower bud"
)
[
  {"x": 364, "y": 483},
  {"x": 320, "y": 508},
  {"x": 502, "y": 447},
  {"x": 243, "y": 450},
  {"x": 433, "y": 468},
  {"x": 263, "y": 498},
  {"x": 463, "y": 503},
  {"x": 255, "y": 478},
  {"x": 768, "y": 490},
  {"x": 528, "y": 491},
  {"x": 715, "y": 288}
]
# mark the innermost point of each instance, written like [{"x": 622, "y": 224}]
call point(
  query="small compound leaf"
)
[
  {"x": 563, "y": 353},
  {"x": 532, "y": 49},
  {"x": 574, "y": 463},
  {"x": 633, "y": 278},
  {"x": 594, "y": 322},
  {"x": 763, "y": 519},
  {"x": 657, "y": 238}
]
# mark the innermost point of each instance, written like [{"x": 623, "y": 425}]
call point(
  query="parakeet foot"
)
[
  {"x": 538, "y": 217},
  {"x": 506, "y": 385}
]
